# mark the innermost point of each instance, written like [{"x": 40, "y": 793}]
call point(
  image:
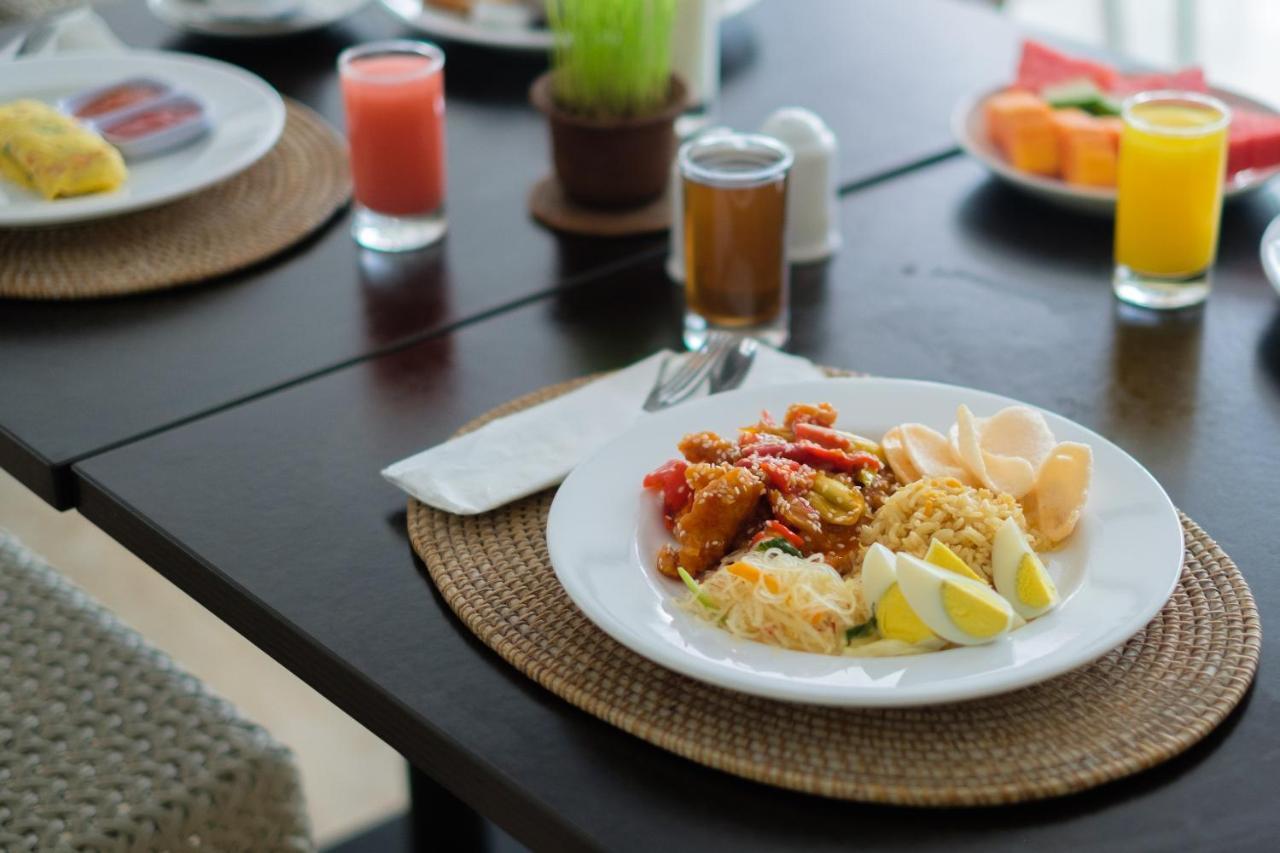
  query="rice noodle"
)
[{"x": 795, "y": 603}]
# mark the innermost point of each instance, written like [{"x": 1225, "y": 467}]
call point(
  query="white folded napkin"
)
[
  {"x": 535, "y": 449},
  {"x": 78, "y": 30}
]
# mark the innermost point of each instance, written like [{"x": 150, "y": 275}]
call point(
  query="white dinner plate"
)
[
  {"x": 604, "y": 531},
  {"x": 195, "y": 16},
  {"x": 1271, "y": 253},
  {"x": 247, "y": 116},
  {"x": 969, "y": 130},
  {"x": 441, "y": 23}
]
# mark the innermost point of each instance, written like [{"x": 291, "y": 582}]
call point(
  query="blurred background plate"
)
[
  {"x": 441, "y": 23},
  {"x": 969, "y": 129},
  {"x": 195, "y": 16},
  {"x": 248, "y": 117},
  {"x": 1271, "y": 253}
]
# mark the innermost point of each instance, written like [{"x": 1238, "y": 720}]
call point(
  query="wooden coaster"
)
[
  {"x": 550, "y": 206},
  {"x": 1139, "y": 705},
  {"x": 285, "y": 196}
]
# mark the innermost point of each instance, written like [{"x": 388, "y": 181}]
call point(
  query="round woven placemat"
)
[
  {"x": 1141, "y": 704},
  {"x": 273, "y": 204}
]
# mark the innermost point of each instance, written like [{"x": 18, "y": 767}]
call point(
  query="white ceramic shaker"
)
[
  {"x": 813, "y": 226},
  {"x": 695, "y": 55}
]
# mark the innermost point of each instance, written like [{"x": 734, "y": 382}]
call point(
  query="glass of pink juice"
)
[{"x": 393, "y": 96}]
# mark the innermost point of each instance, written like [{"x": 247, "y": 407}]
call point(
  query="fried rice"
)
[{"x": 963, "y": 518}]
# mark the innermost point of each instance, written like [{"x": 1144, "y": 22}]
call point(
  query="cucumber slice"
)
[{"x": 1082, "y": 96}]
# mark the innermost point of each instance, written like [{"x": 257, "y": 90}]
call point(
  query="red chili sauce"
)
[
  {"x": 152, "y": 120},
  {"x": 117, "y": 98}
]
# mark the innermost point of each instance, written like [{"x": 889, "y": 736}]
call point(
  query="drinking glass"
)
[
  {"x": 1173, "y": 152},
  {"x": 735, "y": 222},
  {"x": 393, "y": 96}
]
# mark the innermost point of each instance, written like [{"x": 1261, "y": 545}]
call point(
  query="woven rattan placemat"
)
[
  {"x": 1140, "y": 705},
  {"x": 273, "y": 204}
]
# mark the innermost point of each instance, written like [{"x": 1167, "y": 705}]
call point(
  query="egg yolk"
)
[
  {"x": 897, "y": 621},
  {"x": 1035, "y": 587},
  {"x": 971, "y": 613},
  {"x": 944, "y": 558}
]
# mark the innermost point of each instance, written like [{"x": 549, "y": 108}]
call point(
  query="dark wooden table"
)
[
  {"x": 129, "y": 367},
  {"x": 293, "y": 538},
  {"x": 270, "y": 511}
]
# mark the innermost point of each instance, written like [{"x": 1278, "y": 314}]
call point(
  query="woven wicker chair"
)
[{"x": 106, "y": 745}]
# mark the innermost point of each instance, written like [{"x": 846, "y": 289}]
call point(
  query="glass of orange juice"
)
[
  {"x": 393, "y": 97},
  {"x": 1173, "y": 151}
]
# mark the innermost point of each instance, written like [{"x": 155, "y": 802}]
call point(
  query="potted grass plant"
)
[{"x": 610, "y": 99}]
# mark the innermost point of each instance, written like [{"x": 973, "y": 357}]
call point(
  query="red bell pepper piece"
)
[
  {"x": 817, "y": 456},
  {"x": 669, "y": 479},
  {"x": 781, "y": 473},
  {"x": 773, "y": 528},
  {"x": 826, "y": 436},
  {"x": 786, "y": 475}
]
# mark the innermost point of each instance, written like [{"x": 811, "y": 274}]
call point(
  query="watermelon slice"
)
[
  {"x": 1253, "y": 141},
  {"x": 1266, "y": 144},
  {"x": 1240, "y": 141},
  {"x": 1187, "y": 80},
  {"x": 1041, "y": 65}
]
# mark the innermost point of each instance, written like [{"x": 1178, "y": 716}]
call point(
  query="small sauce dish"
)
[
  {"x": 107, "y": 102},
  {"x": 157, "y": 126}
]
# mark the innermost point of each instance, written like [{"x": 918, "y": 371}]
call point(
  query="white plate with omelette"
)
[
  {"x": 247, "y": 117},
  {"x": 1113, "y": 574}
]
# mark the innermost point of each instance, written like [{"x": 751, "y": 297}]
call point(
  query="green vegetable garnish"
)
[
  {"x": 702, "y": 597},
  {"x": 862, "y": 630},
  {"x": 866, "y": 476},
  {"x": 782, "y": 545}
]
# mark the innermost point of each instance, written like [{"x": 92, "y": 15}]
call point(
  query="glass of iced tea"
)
[{"x": 735, "y": 223}]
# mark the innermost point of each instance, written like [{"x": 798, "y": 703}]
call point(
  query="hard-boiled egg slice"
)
[
  {"x": 877, "y": 573},
  {"x": 895, "y": 620},
  {"x": 1019, "y": 574},
  {"x": 944, "y": 558},
  {"x": 959, "y": 609}
]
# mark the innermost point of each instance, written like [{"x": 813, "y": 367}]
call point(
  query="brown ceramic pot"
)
[{"x": 614, "y": 163}]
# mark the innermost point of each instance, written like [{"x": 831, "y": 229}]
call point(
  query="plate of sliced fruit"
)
[{"x": 1054, "y": 131}]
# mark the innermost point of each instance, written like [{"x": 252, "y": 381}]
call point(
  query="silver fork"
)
[{"x": 688, "y": 378}]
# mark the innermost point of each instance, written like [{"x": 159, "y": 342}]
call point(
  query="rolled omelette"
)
[{"x": 45, "y": 151}]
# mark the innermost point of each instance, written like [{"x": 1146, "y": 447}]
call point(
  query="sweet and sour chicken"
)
[{"x": 801, "y": 485}]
